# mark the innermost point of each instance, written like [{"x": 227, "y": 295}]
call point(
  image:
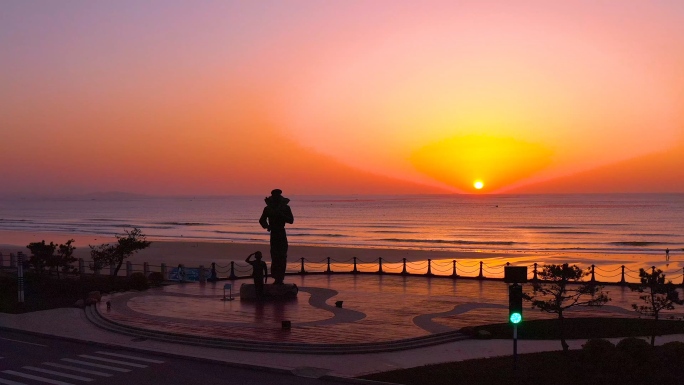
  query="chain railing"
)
[{"x": 470, "y": 269}]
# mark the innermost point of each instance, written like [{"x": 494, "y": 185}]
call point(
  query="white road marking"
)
[
  {"x": 8, "y": 382},
  {"x": 132, "y": 357},
  {"x": 96, "y": 365},
  {"x": 49, "y": 381},
  {"x": 22, "y": 342},
  {"x": 113, "y": 361},
  {"x": 75, "y": 369},
  {"x": 58, "y": 374}
]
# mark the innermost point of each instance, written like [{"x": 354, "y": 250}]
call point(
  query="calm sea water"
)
[{"x": 615, "y": 223}]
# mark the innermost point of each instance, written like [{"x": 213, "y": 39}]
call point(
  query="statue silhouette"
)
[{"x": 274, "y": 217}]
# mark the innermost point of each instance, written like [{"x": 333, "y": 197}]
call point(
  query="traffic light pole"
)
[{"x": 515, "y": 346}]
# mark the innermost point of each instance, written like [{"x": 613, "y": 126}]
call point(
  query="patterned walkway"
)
[{"x": 375, "y": 309}]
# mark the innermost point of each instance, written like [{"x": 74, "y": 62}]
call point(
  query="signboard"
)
[
  {"x": 515, "y": 274},
  {"x": 188, "y": 275}
]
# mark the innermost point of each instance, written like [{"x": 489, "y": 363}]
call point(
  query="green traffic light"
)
[{"x": 516, "y": 318}]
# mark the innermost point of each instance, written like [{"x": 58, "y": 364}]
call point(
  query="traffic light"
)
[{"x": 515, "y": 300}]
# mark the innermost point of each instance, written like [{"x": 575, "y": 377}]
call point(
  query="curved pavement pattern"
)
[{"x": 379, "y": 313}]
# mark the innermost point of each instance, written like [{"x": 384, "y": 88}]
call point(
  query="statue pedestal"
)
[{"x": 271, "y": 291}]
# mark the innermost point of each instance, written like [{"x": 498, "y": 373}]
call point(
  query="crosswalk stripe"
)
[
  {"x": 132, "y": 357},
  {"x": 75, "y": 369},
  {"x": 9, "y": 382},
  {"x": 113, "y": 361},
  {"x": 58, "y": 374},
  {"x": 96, "y": 365},
  {"x": 32, "y": 377}
]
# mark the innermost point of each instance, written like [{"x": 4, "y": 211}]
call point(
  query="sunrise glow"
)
[
  {"x": 337, "y": 97},
  {"x": 478, "y": 185}
]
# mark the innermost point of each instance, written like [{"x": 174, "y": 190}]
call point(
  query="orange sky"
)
[{"x": 341, "y": 97}]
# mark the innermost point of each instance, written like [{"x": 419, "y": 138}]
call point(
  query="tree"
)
[
  {"x": 43, "y": 256},
  {"x": 107, "y": 254},
  {"x": 560, "y": 288},
  {"x": 65, "y": 257},
  {"x": 658, "y": 296}
]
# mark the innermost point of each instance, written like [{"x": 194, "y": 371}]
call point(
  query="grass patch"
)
[
  {"x": 42, "y": 292},
  {"x": 576, "y": 328},
  {"x": 657, "y": 366}
]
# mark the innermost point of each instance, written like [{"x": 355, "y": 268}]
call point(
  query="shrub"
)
[
  {"x": 598, "y": 349},
  {"x": 635, "y": 347},
  {"x": 673, "y": 352},
  {"x": 155, "y": 278},
  {"x": 139, "y": 281}
]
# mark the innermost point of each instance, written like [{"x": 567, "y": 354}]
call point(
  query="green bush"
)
[
  {"x": 155, "y": 278},
  {"x": 138, "y": 281},
  {"x": 598, "y": 349},
  {"x": 634, "y": 347}
]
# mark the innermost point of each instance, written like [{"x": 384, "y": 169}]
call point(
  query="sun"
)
[{"x": 478, "y": 185}]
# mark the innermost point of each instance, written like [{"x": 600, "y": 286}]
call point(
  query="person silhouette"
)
[
  {"x": 667, "y": 254},
  {"x": 259, "y": 273},
  {"x": 273, "y": 218}
]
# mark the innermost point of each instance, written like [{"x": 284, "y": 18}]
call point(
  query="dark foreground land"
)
[
  {"x": 632, "y": 361},
  {"x": 661, "y": 365}
]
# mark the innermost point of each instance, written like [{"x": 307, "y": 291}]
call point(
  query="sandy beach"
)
[{"x": 193, "y": 253}]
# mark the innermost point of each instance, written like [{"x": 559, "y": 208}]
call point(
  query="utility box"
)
[{"x": 515, "y": 274}]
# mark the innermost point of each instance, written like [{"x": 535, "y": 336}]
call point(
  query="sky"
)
[{"x": 341, "y": 97}]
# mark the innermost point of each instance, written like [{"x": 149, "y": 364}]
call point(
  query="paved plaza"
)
[{"x": 375, "y": 309}]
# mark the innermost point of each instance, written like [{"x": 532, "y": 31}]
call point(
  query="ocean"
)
[{"x": 591, "y": 223}]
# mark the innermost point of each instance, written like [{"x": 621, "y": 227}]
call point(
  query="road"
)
[{"x": 28, "y": 359}]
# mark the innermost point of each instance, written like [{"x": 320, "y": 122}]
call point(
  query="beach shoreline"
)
[{"x": 194, "y": 253}]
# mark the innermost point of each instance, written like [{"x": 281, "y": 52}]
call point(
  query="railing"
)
[{"x": 472, "y": 269}]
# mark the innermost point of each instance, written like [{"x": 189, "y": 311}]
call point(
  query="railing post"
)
[
  {"x": 683, "y": 276},
  {"x": 2, "y": 261},
  {"x": 480, "y": 276},
  {"x": 111, "y": 269},
  {"x": 232, "y": 270},
  {"x": 622, "y": 280},
  {"x": 593, "y": 277},
  {"x": 202, "y": 274},
  {"x": 163, "y": 272},
  {"x": 146, "y": 269},
  {"x": 453, "y": 274},
  {"x": 13, "y": 260},
  {"x": 379, "y": 265},
  {"x": 403, "y": 271},
  {"x": 429, "y": 272},
  {"x": 81, "y": 266},
  {"x": 328, "y": 270},
  {"x": 302, "y": 271},
  {"x": 534, "y": 275},
  {"x": 129, "y": 268},
  {"x": 355, "y": 270}
]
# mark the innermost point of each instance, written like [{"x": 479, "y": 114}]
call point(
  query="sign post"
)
[
  {"x": 20, "y": 277},
  {"x": 228, "y": 287}
]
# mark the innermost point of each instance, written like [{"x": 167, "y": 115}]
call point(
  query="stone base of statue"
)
[{"x": 271, "y": 292}]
